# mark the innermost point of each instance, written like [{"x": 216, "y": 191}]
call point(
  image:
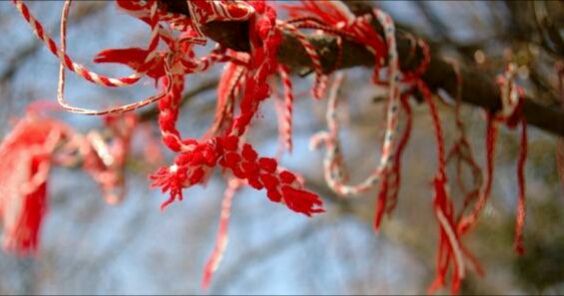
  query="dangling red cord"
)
[
  {"x": 222, "y": 234},
  {"x": 521, "y": 210},
  {"x": 389, "y": 190},
  {"x": 449, "y": 240},
  {"x": 387, "y": 201},
  {"x": 511, "y": 115}
]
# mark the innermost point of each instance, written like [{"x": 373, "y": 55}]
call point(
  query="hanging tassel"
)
[
  {"x": 449, "y": 240},
  {"x": 26, "y": 160}
]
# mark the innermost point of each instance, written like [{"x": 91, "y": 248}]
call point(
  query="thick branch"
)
[{"x": 478, "y": 88}]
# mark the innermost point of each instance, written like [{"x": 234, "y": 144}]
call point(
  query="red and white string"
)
[{"x": 333, "y": 158}]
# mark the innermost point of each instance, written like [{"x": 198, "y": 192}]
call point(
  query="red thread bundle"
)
[
  {"x": 35, "y": 144},
  {"x": 31, "y": 149}
]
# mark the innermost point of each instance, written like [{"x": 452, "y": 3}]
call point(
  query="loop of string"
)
[
  {"x": 61, "y": 83},
  {"x": 332, "y": 162}
]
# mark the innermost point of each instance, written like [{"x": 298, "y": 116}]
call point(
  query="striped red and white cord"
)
[
  {"x": 61, "y": 83},
  {"x": 333, "y": 160},
  {"x": 79, "y": 69},
  {"x": 287, "y": 109},
  {"x": 320, "y": 77},
  {"x": 203, "y": 12},
  {"x": 222, "y": 238}
]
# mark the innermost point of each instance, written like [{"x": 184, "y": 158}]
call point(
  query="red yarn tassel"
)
[
  {"x": 22, "y": 215},
  {"x": 26, "y": 159}
]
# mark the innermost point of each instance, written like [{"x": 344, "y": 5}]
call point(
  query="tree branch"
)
[{"x": 478, "y": 88}]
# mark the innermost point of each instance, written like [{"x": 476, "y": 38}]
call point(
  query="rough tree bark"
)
[{"x": 478, "y": 88}]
